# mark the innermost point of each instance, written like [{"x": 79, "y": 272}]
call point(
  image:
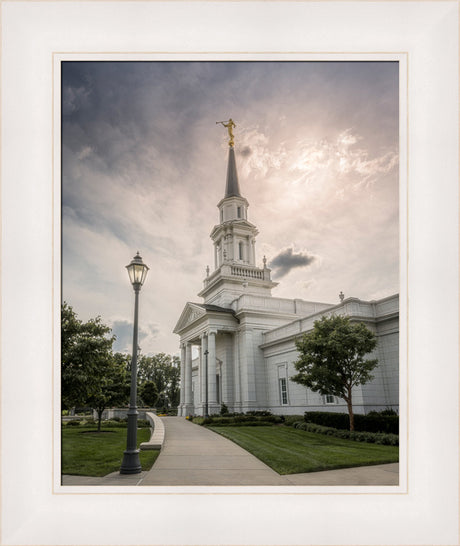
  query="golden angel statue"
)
[{"x": 229, "y": 125}]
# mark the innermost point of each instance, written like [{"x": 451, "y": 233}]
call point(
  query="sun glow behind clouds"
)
[{"x": 144, "y": 167}]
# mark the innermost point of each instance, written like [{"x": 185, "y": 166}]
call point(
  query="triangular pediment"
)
[{"x": 190, "y": 314}]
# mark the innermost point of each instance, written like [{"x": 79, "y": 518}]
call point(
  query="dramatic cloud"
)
[
  {"x": 287, "y": 260},
  {"x": 144, "y": 166}
]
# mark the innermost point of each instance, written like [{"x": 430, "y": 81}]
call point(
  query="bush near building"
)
[
  {"x": 254, "y": 418},
  {"x": 386, "y": 421},
  {"x": 380, "y": 438}
]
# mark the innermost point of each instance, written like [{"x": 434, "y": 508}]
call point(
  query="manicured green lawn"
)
[
  {"x": 86, "y": 452},
  {"x": 291, "y": 451}
]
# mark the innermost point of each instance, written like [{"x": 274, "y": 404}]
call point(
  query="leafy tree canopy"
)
[
  {"x": 149, "y": 393},
  {"x": 86, "y": 351},
  {"x": 113, "y": 385},
  {"x": 164, "y": 372},
  {"x": 92, "y": 375},
  {"x": 331, "y": 358}
]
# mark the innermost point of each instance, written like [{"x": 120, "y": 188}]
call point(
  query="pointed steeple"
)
[
  {"x": 234, "y": 239},
  {"x": 232, "y": 188}
]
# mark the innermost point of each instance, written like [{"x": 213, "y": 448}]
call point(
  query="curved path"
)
[{"x": 194, "y": 455}]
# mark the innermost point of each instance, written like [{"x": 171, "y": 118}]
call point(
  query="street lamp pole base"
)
[{"x": 131, "y": 463}]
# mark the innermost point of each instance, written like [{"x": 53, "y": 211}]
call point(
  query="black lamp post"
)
[
  {"x": 131, "y": 464},
  {"x": 206, "y": 414}
]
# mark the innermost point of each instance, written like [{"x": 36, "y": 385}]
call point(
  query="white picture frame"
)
[{"x": 423, "y": 36}]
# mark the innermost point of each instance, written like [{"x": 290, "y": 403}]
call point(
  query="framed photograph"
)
[
  {"x": 317, "y": 143},
  {"x": 300, "y": 181}
]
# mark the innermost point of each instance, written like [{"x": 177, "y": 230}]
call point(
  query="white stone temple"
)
[{"x": 245, "y": 337}]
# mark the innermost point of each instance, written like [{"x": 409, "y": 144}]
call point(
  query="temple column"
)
[
  {"x": 248, "y": 372},
  {"x": 182, "y": 380},
  {"x": 236, "y": 371},
  {"x": 188, "y": 379},
  {"x": 212, "y": 391},
  {"x": 204, "y": 346}
]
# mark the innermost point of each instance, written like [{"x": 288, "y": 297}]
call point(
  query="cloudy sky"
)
[{"x": 144, "y": 166}]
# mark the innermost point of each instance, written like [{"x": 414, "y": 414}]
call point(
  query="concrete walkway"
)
[
  {"x": 382, "y": 474},
  {"x": 194, "y": 455}
]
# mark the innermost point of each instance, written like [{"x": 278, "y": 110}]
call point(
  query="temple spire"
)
[
  {"x": 232, "y": 188},
  {"x": 234, "y": 238}
]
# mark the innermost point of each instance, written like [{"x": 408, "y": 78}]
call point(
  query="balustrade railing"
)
[{"x": 241, "y": 271}]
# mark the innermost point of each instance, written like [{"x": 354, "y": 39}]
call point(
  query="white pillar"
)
[
  {"x": 212, "y": 371},
  {"x": 182, "y": 379},
  {"x": 248, "y": 372},
  {"x": 188, "y": 378},
  {"x": 236, "y": 370},
  {"x": 204, "y": 345}
]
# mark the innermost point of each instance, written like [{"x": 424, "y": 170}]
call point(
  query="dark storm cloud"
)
[{"x": 287, "y": 260}]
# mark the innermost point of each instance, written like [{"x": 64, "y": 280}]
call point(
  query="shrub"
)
[
  {"x": 223, "y": 409},
  {"x": 244, "y": 424},
  {"x": 74, "y": 423},
  {"x": 387, "y": 411},
  {"x": 143, "y": 423},
  {"x": 239, "y": 419},
  {"x": 372, "y": 422},
  {"x": 370, "y": 437},
  {"x": 289, "y": 420},
  {"x": 112, "y": 423}
]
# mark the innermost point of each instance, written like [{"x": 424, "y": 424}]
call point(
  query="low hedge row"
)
[
  {"x": 372, "y": 422},
  {"x": 242, "y": 424},
  {"x": 110, "y": 423},
  {"x": 241, "y": 419},
  {"x": 369, "y": 437}
]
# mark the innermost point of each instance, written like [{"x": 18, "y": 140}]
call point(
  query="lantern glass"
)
[{"x": 137, "y": 271}]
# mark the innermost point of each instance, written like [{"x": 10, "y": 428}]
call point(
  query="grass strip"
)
[
  {"x": 292, "y": 451},
  {"x": 86, "y": 452}
]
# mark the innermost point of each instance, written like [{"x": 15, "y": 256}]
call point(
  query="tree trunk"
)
[
  {"x": 350, "y": 411},
  {"x": 99, "y": 419}
]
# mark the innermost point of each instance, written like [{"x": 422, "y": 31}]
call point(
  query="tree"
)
[
  {"x": 113, "y": 386},
  {"x": 164, "y": 371},
  {"x": 331, "y": 359},
  {"x": 149, "y": 393},
  {"x": 86, "y": 349}
]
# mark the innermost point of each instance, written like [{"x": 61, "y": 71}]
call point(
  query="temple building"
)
[{"x": 245, "y": 337}]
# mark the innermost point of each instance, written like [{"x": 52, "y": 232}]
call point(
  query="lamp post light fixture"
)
[
  {"x": 206, "y": 413},
  {"x": 131, "y": 464}
]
